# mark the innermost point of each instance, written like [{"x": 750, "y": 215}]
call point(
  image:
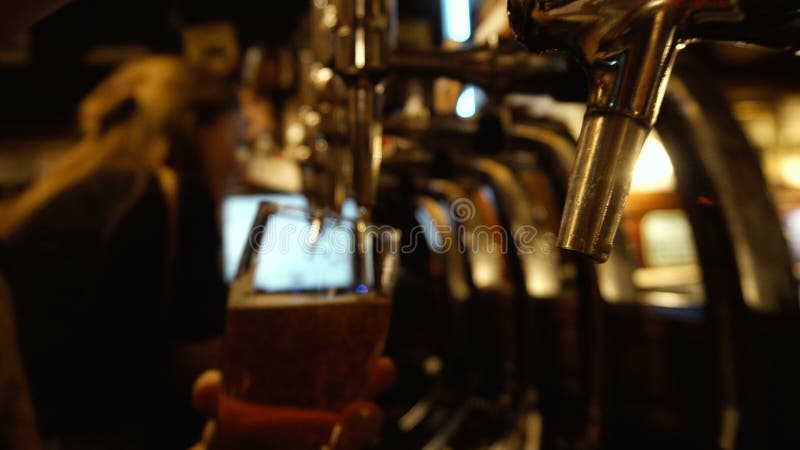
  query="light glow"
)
[
  {"x": 457, "y": 26},
  {"x": 653, "y": 171},
  {"x": 465, "y": 106},
  {"x": 470, "y": 100},
  {"x": 361, "y": 49},
  {"x": 790, "y": 171}
]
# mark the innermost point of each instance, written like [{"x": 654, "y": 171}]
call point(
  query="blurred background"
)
[
  {"x": 524, "y": 354},
  {"x": 45, "y": 71}
]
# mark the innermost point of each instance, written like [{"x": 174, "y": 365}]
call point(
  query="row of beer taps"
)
[
  {"x": 616, "y": 55},
  {"x": 627, "y": 49}
]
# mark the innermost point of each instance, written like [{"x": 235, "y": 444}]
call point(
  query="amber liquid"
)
[{"x": 302, "y": 351}]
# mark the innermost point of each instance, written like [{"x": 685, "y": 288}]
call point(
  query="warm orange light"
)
[{"x": 653, "y": 171}]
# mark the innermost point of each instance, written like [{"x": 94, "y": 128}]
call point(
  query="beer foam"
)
[{"x": 299, "y": 300}]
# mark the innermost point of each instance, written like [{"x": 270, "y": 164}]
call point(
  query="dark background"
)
[{"x": 39, "y": 98}]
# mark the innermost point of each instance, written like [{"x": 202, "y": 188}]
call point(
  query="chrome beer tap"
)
[
  {"x": 361, "y": 33},
  {"x": 628, "y": 48},
  {"x": 362, "y": 41}
]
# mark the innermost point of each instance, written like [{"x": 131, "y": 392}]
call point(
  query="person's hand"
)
[{"x": 239, "y": 425}]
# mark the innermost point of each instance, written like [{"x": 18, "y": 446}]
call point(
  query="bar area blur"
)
[{"x": 400, "y": 225}]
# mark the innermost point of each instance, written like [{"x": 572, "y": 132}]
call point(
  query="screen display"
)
[
  {"x": 296, "y": 255},
  {"x": 238, "y": 214},
  {"x": 286, "y": 259}
]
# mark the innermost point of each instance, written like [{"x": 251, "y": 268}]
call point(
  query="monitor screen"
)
[
  {"x": 286, "y": 262},
  {"x": 295, "y": 255},
  {"x": 238, "y": 214}
]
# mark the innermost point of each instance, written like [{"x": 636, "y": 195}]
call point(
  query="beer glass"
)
[{"x": 309, "y": 309}]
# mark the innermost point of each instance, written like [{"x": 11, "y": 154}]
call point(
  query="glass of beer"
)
[{"x": 308, "y": 311}]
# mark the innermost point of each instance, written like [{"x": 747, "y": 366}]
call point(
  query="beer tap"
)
[
  {"x": 362, "y": 33},
  {"x": 362, "y": 41},
  {"x": 359, "y": 34},
  {"x": 628, "y": 48}
]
